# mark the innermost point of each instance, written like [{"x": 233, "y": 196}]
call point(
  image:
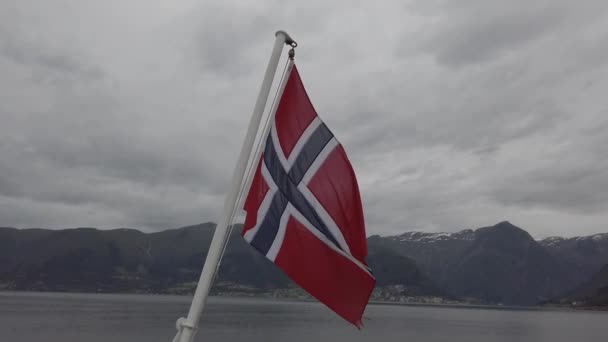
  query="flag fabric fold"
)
[{"x": 304, "y": 210}]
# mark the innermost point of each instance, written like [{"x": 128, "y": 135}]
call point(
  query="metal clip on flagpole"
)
[{"x": 186, "y": 327}]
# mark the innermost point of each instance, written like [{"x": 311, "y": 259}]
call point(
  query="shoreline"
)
[{"x": 310, "y": 300}]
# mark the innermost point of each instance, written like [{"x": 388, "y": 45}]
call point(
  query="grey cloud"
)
[
  {"x": 576, "y": 191},
  {"x": 136, "y": 160},
  {"x": 466, "y": 114},
  {"x": 59, "y": 65},
  {"x": 460, "y": 115},
  {"x": 482, "y": 36},
  {"x": 227, "y": 40},
  {"x": 79, "y": 190},
  {"x": 562, "y": 180},
  {"x": 476, "y": 31},
  {"x": 482, "y": 107},
  {"x": 221, "y": 41}
]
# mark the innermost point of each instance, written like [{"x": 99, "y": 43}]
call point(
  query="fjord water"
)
[{"x": 48, "y": 317}]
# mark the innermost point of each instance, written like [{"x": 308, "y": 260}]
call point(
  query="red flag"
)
[{"x": 304, "y": 210}]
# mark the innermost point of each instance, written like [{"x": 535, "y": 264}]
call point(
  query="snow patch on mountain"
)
[
  {"x": 600, "y": 237},
  {"x": 424, "y": 237},
  {"x": 554, "y": 240}
]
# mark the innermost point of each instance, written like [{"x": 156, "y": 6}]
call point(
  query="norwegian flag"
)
[{"x": 304, "y": 209}]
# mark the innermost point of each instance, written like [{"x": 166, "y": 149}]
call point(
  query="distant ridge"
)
[
  {"x": 501, "y": 263},
  {"x": 495, "y": 264},
  {"x": 591, "y": 294},
  {"x": 170, "y": 261}
]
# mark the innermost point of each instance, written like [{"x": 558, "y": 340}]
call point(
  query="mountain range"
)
[
  {"x": 592, "y": 293},
  {"x": 501, "y": 263},
  {"x": 497, "y": 264}
]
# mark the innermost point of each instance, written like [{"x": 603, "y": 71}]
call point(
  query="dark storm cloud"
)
[{"x": 455, "y": 114}]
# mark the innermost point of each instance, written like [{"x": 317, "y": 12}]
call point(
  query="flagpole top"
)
[{"x": 288, "y": 40}]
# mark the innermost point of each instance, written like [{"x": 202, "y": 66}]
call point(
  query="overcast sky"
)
[{"x": 455, "y": 114}]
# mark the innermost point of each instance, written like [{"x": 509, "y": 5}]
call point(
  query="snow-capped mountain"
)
[
  {"x": 501, "y": 263},
  {"x": 423, "y": 237}
]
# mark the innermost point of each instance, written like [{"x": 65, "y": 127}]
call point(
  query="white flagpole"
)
[{"x": 187, "y": 327}]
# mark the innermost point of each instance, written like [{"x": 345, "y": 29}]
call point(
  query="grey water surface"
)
[{"x": 58, "y": 317}]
